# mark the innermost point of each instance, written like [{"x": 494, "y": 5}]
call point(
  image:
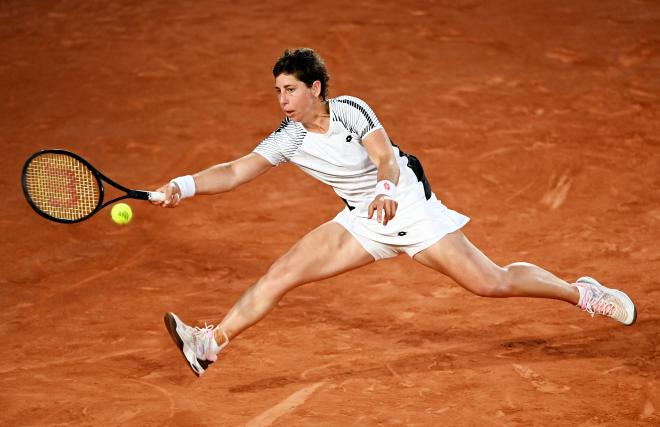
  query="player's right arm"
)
[
  {"x": 227, "y": 176},
  {"x": 219, "y": 178}
]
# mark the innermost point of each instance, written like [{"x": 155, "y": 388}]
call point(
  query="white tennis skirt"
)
[{"x": 411, "y": 230}]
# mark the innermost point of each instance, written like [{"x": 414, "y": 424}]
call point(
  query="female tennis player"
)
[{"x": 389, "y": 209}]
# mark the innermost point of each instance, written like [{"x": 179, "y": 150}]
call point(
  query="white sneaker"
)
[
  {"x": 597, "y": 299},
  {"x": 197, "y": 345}
]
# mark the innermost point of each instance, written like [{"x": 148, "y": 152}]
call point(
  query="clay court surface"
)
[{"x": 540, "y": 120}]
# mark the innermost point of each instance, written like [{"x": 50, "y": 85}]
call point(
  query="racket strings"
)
[{"x": 61, "y": 186}]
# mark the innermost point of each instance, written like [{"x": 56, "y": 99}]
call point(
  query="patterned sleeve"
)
[
  {"x": 282, "y": 144},
  {"x": 357, "y": 116}
]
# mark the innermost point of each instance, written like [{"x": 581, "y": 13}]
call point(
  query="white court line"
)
[
  {"x": 165, "y": 393},
  {"x": 269, "y": 416}
]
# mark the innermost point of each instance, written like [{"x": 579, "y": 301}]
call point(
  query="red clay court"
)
[{"x": 539, "y": 120}]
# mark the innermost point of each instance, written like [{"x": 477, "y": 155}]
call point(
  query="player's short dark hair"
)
[{"x": 306, "y": 65}]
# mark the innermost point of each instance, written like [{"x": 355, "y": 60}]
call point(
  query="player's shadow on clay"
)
[{"x": 579, "y": 345}]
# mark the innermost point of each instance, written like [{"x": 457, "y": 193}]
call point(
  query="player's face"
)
[{"x": 295, "y": 98}]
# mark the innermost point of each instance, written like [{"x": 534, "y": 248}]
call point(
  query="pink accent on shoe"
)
[
  {"x": 592, "y": 301},
  {"x": 598, "y": 299},
  {"x": 212, "y": 349},
  {"x": 204, "y": 343}
]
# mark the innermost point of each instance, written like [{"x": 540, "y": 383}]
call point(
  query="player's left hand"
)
[{"x": 385, "y": 208}]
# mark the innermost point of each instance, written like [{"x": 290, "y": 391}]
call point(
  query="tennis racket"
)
[{"x": 62, "y": 186}]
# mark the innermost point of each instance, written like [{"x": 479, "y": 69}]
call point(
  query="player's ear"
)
[{"x": 316, "y": 88}]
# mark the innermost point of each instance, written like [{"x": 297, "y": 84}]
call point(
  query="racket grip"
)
[{"x": 156, "y": 196}]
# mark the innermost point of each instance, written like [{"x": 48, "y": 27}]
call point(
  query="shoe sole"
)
[
  {"x": 170, "y": 324},
  {"x": 620, "y": 294}
]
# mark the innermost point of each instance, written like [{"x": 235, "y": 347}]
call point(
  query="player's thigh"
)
[
  {"x": 324, "y": 252},
  {"x": 455, "y": 256}
]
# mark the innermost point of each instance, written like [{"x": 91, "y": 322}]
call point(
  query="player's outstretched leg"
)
[
  {"x": 455, "y": 256},
  {"x": 324, "y": 252},
  {"x": 197, "y": 345}
]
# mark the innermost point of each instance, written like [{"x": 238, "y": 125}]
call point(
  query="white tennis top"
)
[{"x": 338, "y": 159}]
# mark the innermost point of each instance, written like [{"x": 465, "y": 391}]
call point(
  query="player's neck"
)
[{"x": 318, "y": 121}]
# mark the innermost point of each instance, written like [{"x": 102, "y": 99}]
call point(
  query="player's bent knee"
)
[
  {"x": 495, "y": 285},
  {"x": 276, "y": 283}
]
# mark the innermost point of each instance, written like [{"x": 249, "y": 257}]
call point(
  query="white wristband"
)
[
  {"x": 186, "y": 185},
  {"x": 386, "y": 188}
]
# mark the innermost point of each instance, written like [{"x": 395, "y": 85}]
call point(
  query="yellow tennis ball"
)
[{"x": 121, "y": 213}]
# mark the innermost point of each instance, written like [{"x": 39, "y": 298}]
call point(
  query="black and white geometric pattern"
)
[{"x": 353, "y": 113}]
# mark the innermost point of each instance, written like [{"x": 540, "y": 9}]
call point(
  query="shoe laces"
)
[
  {"x": 201, "y": 338},
  {"x": 201, "y": 332},
  {"x": 204, "y": 338},
  {"x": 596, "y": 301}
]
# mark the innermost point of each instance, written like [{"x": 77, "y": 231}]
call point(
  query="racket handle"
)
[{"x": 156, "y": 196}]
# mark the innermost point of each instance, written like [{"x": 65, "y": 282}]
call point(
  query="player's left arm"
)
[{"x": 379, "y": 148}]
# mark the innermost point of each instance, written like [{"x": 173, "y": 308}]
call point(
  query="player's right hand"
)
[
  {"x": 385, "y": 208},
  {"x": 172, "y": 195}
]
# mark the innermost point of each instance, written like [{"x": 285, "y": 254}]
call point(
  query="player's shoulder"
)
[
  {"x": 351, "y": 105},
  {"x": 287, "y": 126},
  {"x": 348, "y": 100},
  {"x": 288, "y": 130}
]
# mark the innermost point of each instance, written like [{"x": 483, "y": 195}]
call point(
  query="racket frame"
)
[{"x": 100, "y": 178}]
